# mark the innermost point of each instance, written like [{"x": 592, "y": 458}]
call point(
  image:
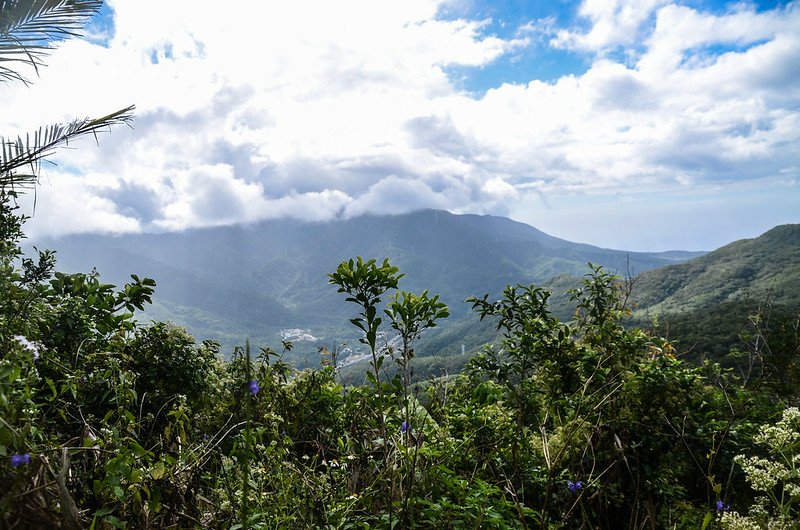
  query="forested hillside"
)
[
  {"x": 763, "y": 269},
  {"x": 720, "y": 302},
  {"x": 257, "y": 280},
  {"x": 715, "y": 306}
]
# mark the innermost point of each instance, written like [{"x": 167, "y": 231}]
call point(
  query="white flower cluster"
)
[
  {"x": 784, "y": 433},
  {"x": 28, "y": 345},
  {"x": 761, "y": 473},
  {"x": 775, "y": 475},
  {"x": 734, "y": 521},
  {"x": 781, "y": 523}
]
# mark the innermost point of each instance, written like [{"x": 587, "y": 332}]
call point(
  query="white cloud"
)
[
  {"x": 74, "y": 205},
  {"x": 319, "y": 109},
  {"x": 394, "y": 195},
  {"x": 680, "y": 30},
  {"x": 612, "y": 23},
  {"x": 500, "y": 190}
]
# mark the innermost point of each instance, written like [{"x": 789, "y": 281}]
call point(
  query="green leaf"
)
[
  {"x": 118, "y": 492},
  {"x": 52, "y": 386},
  {"x": 706, "y": 521},
  {"x": 9, "y": 371},
  {"x": 113, "y": 521},
  {"x": 102, "y": 512},
  {"x": 158, "y": 470},
  {"x": 138, "y": 449}
]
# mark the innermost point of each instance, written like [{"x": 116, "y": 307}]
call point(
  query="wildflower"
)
[
  {"x": 19, "y": 460},
  {"x": 254, "y": 387},
  {"x": 574, "y": 487},
  {"x": 28, "y": 345},
  {"x": 405, "y": 427},
  {"x": 722, "y": 507}
]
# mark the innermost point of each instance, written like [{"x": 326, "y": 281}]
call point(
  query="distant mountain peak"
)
[{"x": 258, "y": 279}]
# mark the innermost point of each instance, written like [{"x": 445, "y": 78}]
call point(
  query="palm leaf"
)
[
  {"x": 25, "y": 153},
  {"x": 29, "y": 28}
]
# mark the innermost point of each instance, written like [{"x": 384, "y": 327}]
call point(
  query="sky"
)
[{"x": 639, "y": 125}]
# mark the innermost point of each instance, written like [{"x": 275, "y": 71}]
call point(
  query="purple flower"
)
[
  {"x": 405, "y": 427},
  {"x": 574, "y": 487},
  {"x": 254, "y": 387},
  {"x": 722, "y": 507},
  {"x": 19, "y": 460}
]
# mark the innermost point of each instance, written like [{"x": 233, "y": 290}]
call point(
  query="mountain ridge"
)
[
  {"x": 274, "y": 273},
  {"x": 713, "y": 305},
  {"x": 760, "y": 267}
]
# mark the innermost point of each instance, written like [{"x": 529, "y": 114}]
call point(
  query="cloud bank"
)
[{"x": 316, "y": 110}]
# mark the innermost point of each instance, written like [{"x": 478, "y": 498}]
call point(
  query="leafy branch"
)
[
  {"x": 29, "y": 151},
  {"x": 29, "y": 29}
]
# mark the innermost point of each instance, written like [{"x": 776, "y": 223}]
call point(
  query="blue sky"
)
[
  {"x": 638, "y": 125},
  {"x": 540, "y": 60},
  {"x": 536, "y": 61}
]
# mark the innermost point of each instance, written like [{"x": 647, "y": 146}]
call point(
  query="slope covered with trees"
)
[
  {"x": 226, "y": 282},
  {"x": 766, "y": 268},
  {"x": 725, "y": 300}
]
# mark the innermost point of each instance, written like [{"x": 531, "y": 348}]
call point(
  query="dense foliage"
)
[{"x": 105, "y": 422}]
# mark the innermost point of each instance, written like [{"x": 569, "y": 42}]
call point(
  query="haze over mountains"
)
[
  {"x": 267, "y": 281},
  {"x": 228, "y": 283}
]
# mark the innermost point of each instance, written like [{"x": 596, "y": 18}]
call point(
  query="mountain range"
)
[{"x": 268, "y": 280}]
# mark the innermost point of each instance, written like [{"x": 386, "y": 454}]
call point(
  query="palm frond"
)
[
  {"x": 17, "y": 182},
  {"x": 27, "y": 153},
  {"x": 29, "y": 29}
]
